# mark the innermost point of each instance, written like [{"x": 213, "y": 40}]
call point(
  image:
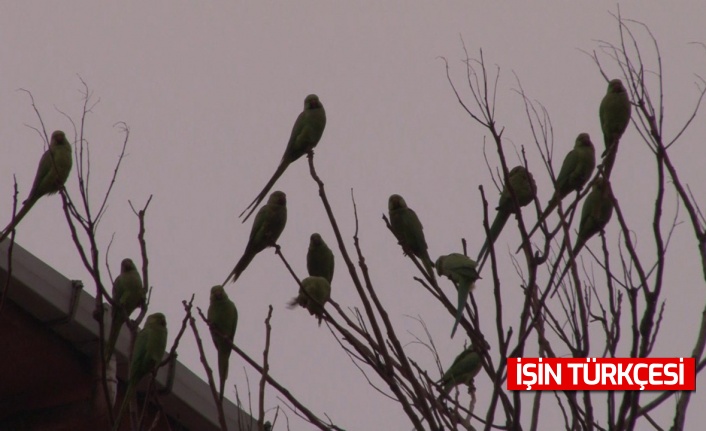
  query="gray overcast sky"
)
[{"x": 210, "y": 92}]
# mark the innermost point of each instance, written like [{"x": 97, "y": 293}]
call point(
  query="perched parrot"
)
[
  {"x": 306, "y": 133},
  {"x": 52, "y": 172},
  {"x": 525, "y": 190},
  {"x": 575, "y": 172},
  {"x": 462, "y": 271},
  {"x": 223, "y": 317},
  {"x": 464, "y": 368},
  {"x": 313, "y": 295},
  {"x": 409, "y": 231},
  {"x": 266, "y": 229},
  {"x": 595, "y": 215},
  {"x": 150, "y": 345},
  {"x": 614, "y": 114},
  {"x": 319, "y": 258},
  {"x": 128, "y": 294}
]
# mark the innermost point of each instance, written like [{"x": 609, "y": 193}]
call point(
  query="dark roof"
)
[{"x": 47, "y": 295}]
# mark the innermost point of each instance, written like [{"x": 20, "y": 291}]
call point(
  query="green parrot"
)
[
  {"x": 150, "y": 345},
  {"x": 462, "y": 272},
  {"x": 313, "y": 295},
  {"x": 595, "y": 215},
  {"x": 614, "y": 114},
  {"x": 409, "y": 231},
  {"x": 223, "y": 317},
  {"x": 575, "y": 172},
  {"x": 306, "y": 133},
  {"x": 52, "y": 173},
  {"x": 463, "y": 370},
  {"x": 525, "y": 190},
  {"x": 596, "y": 212},
  {"x": 319, "y": 258},
  {"x": 266, "y": 229},
  {"x": 128, "y": 294}
]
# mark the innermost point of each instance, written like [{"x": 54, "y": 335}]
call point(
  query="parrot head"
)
[
  {"x": 472, "y": 348},
  {"x": 312, "y": 102},
  {"x": 277, "y": 198},
  {"x": 439, "y": 263},
  {"x": 218, "y": 293},
  {"x": 315, "y": 239},
  {"x": 616, "y": 86},
  {"x": 517, "y": 170},
  {"x": 520, "y": 170},
  {"x": 156, "y": 319},
  {"x": 523, "y": 183},
  {"x": 396, "y": 202},
  {"x": 583, "y": 140},
  {"x": 127, "y": 265},
  {"x": 58, "y": 138}
]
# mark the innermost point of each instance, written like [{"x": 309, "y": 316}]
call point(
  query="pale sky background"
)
[{"x": 210, "y": 91}]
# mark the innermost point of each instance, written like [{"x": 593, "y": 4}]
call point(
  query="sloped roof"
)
[{"x": 49, "y": 297}]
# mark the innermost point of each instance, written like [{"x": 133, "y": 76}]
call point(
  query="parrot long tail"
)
[
  {"x": 240, "y": 266},
  {"x": 260, "y": 197},
  {"x": 115, "y": 327},
  {"x": 222, "y": 372},
  {"x": 495, "y": 230},
  {"x": 463, "y": 291},
  {"x": 609, "y": 141},
  {"x": 26, "y": 206},
  {"x": 577, "y": 248},
  {"x": 126, "y": 402},
  {"x": 609, "y": 158},
  {"x": 553, "y": 203}
]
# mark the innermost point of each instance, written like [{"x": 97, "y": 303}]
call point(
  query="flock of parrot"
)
[{"x": 315, "y": 290}]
